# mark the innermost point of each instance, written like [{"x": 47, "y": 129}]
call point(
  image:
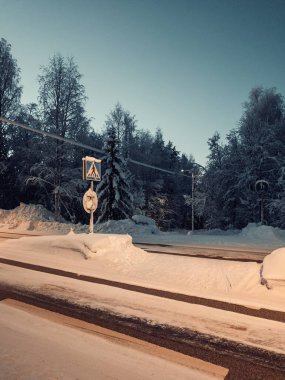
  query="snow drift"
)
[
  {"x": 114, "y": 256},
  {"x": 273, "y": 269},
  {"x": 37, "y": 218}
]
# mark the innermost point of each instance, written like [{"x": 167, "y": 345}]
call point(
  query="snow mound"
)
[
  {"x": 74, "y": 247},
  {"x": 144, "y": 220},
  {"x": 26, "y": 216},
  {"x": 273, "y": 269},
  {"x": 128, "y": 226},
  {"x": 37, "y": 218},
  {"x": 262, "y": 234}
]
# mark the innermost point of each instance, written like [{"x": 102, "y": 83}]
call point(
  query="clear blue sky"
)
[{"x": 185, "y": 66}]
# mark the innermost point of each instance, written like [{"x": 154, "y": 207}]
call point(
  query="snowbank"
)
[
  {"x": 273, "y": 269},
  {"x": 144, "y": 220},
  {"x": 36, "y": 218},
  {"x": 138, "y": 225},
  {"x": 26, "y": 213},
  {"x": 114, "y": 256},
  {"x": 263, "y": 234},
  {"x": 74, "y": 247},
  {"x": 253, "y": 235},
  {"x": 31, "y": 218}
]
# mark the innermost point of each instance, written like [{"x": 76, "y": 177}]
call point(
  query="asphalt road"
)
[{"x": 209, "y": 252}]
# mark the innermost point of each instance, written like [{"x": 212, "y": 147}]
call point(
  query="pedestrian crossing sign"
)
[{"x": 91, "y": 169}]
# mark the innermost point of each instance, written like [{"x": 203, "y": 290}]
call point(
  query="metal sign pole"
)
[
  {"x": 91, "y": 171},
  {"x": 261, "y": 210},
  {"x": 261, "y": 187},
  {"x": 91, "y": 226},
  {"x": 193, "y": 179}
]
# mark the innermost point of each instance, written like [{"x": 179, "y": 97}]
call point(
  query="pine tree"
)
[
  {"x": 114, "y": 196},
  {"x": 261, "y": 149}
]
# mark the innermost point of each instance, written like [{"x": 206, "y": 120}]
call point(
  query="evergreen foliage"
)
[
  {"x": 254, "y": 151},
  {"x": 36, "y": 168},
  {"x": 10, "y": 93},
  {"x": 61, "y": 100},
  {"x": 114, "y": 196}
]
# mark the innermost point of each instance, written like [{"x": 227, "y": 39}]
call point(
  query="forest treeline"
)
[{"x": 35, "y": 168}]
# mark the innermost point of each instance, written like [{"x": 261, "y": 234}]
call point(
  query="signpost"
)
[
  {"x": 91, "y": 171},
  {"x": 261, "y": 187}
]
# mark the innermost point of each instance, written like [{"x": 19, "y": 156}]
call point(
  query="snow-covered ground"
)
[
  {"x": 35, "y": 219},
  {"x": 112, "y": 256}
]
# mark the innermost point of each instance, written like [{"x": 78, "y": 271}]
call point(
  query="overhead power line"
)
[{"x": 81, "y": 145}]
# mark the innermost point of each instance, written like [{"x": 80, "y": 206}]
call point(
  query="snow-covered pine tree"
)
[
  {"x": 262, "y": 149},
  {"x": 114, "y": 195}
]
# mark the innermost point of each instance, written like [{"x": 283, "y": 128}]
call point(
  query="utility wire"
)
[{"x": 85, "y": 146}]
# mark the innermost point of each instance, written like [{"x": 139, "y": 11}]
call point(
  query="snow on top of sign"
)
[{"x": 88, "y": 158}]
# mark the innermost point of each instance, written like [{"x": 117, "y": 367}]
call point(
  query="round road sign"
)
[{"x": 90, "y": 201}]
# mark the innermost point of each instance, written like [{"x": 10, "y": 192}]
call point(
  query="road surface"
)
[{"x": 243, "y": 362}]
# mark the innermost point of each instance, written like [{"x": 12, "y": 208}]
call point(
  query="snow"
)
[
  {"x": 253, "y": 235},
  {"x": 37, "y": 348},
  {"x": 112, "y": 255},
  {"x": 36, "y": 219},
  {"x": 142, "y": 219},
  {"x": 273, "y": 269}
]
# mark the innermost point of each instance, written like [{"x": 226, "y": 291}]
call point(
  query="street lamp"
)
[{"x": 192, "y": 190}]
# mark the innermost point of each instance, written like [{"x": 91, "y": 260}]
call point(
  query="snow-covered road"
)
[{"x": 48, "y": 346}]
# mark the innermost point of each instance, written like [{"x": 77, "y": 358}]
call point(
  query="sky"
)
[{"x": 185, "y": 66}]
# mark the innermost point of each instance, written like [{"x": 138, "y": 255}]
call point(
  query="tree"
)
[
  {"x": 10, "y": 93},
  {"x": 261, "y": 148},
  {"x": 61, "y": 98},
  {"x": 213, "y": 184},
  {"x": 10, "y": 89},
  {"x": 114, "y": 196},
  {"x": 26, "y": 148},
  {"x": 254, "y": 151}
]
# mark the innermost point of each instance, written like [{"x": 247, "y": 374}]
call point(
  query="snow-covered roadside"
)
[
  {"x": 114, "y": 257},
  {"x": 35, "y": 219}
]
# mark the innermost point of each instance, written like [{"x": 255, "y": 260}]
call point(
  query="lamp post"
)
[
  {"x": 192, "y": 210},
  {"x": 192, "y": 191},
  {"x": 261, "y": 187}
]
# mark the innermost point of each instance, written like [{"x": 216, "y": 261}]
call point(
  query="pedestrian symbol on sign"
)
[{"x": 93, "y": 172}]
